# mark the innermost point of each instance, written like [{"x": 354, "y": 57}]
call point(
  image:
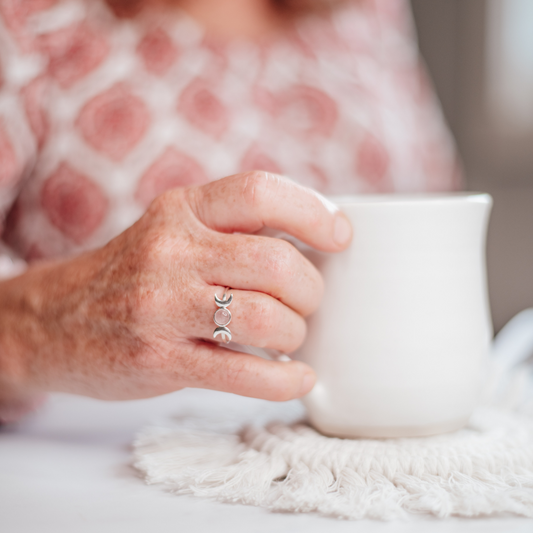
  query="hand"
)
[{"x": 134, "y": 319}]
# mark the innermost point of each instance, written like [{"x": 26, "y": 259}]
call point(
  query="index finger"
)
[{"x": 247, "y": 202}]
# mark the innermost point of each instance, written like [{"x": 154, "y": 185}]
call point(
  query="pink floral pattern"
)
[
  {"x": 173, "y": 169},
  {"x": 372, "y": 163},
  {"x": 101, "y": 114},
  {"x": 74, "y": 204},
  {"x": 305, "y": 111},
  {"x": 73, "y": 52},
  {"x": 200, "y": 106},
  {"x": 114, "y": 121},
  {"x": 157, "y": 51}
]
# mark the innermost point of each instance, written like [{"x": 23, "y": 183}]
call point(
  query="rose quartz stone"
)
[{"x": 222, "y": 317}]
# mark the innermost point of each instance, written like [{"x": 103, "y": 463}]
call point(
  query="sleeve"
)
[{"x": 21, "y": 126}]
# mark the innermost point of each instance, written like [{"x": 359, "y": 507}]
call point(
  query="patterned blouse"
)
[{"x": 100, "y": 114}]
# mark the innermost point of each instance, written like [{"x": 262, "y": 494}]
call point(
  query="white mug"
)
[{"x": 399, "y": 341}]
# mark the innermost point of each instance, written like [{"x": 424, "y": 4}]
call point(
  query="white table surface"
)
[{"x": 67, "y": 469}]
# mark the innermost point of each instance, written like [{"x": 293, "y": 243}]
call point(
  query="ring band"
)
[{"x": 222, "y": 317}]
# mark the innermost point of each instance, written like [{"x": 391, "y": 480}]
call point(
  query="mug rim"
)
[{"x": 412, "y": 198}]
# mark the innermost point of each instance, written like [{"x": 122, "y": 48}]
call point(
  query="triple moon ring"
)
[{"x": 222, "y": 317}]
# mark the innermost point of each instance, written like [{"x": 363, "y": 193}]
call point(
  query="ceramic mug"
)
[{"x": 399, "y": 341}]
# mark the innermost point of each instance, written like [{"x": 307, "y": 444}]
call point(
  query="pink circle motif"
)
[{"x": 222, "y": 317}]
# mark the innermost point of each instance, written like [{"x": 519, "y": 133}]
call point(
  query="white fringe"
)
[{"x": 485, "y": 469}]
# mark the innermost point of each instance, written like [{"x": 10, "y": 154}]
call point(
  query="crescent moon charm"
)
[
  {"x": 224, "y": 332},
  {"x": 225, "y": 301}
]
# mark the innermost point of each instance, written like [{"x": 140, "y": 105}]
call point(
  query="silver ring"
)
[{"x": 222, "y": 317}]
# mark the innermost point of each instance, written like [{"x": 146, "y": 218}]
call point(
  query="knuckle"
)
[
  {"x": 165, "y": 203},
  {"x": 159, "y": 205},
  {"x": 262, "y": 321},
  {"x": 282, "y": 260},
  {"x": 298, "y": 334},
  {"x": 316, "y": 294},
  {"x": 257, "y": 185},
  {"x": 253, "y": 189},
  {"x": 153, "y": 252}
]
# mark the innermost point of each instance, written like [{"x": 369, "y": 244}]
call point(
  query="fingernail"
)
[
  {"x": 342, "y": 230},
  {"x": 308, "y": 383}
]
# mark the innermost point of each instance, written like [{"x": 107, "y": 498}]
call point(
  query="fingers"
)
[
  {"x": 224, "y": 370},
  {"x": 248, "y": 202},
  {"x": 256, "y": 320},
  {"x": 267, "y": 265}
]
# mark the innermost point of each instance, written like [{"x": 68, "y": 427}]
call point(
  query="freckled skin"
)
[{"x": 134, "y": 319}]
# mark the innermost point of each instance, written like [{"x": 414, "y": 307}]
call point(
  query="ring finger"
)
[{"x": 257, "y": 319}]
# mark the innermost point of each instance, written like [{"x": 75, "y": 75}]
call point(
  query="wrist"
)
[
  {"x": 17, "y": 329},
  {"x": 43, "y": 326},
  {"x": 26, "y": 316}
]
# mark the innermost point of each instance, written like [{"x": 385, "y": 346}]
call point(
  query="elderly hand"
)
[{"x": 135, "y": 318}]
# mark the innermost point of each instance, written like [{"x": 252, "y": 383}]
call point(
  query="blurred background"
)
[{"x": 480, "y": 56}]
